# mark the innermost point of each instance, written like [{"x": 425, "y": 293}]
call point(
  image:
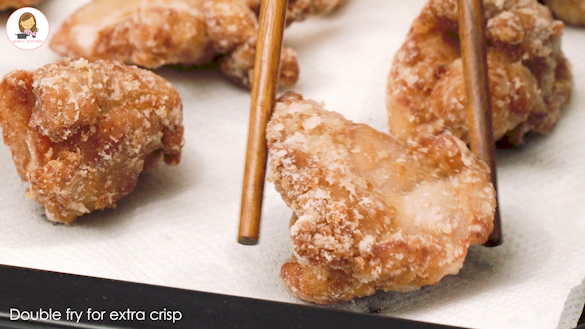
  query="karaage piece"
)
[
  {"x": 298, "y": 10},
  {"x": 372, "y": 212},
  {"x": 569, "y": 11},
  {"x": 81, "y": 133},
  {"x": 188, "y": 32},
  {"x": 529, "y": 77},
  {"x": 6, "y": 4}
]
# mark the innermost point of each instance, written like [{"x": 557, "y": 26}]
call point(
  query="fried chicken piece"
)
[
  {"x": 529, "y": 77},
  {"x": 299, "y": 10},
  {"x": 188, "y": 32},
  {"x": 372, "y": 212},
  {"x": 6, "y": 4},
  {"x": 81, "y": 133},
  {"x": 569, "y": 11}
]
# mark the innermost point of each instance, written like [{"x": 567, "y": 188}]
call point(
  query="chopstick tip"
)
[{"x": 247, "y": 241}]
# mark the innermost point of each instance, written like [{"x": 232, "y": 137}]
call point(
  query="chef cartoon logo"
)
[{"x": 27, "y": 28}]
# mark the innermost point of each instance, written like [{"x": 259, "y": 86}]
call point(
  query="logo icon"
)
[{"x": 27, "y": 28}]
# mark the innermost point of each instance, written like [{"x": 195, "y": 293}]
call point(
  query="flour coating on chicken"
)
[
  {"x": 81, "y": 133},
  {"x": 188, "y": 32},
  {"x": 529, "y": 77},
  {"x": 372, "y": 212}
]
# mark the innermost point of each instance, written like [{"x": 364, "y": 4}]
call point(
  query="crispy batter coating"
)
[
  {"x": 569, "y": 11},
  {"x": 299, "y": 10},
  {"x": 188, "y": 32},
  {"x": 529, "y": 77},
  {"x": 6, "y": 4},
  {"x": 81, "y": 133},
  {"x": 372, "y": 212}
]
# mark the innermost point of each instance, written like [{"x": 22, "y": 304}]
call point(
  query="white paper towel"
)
[{"x": 179, "y": 227}]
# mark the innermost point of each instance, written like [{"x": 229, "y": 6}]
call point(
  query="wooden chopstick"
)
[
  {"x": 272, "y": 22},
  {"x": 266, "y": 71},
  {"x": 473, "y": 48}
]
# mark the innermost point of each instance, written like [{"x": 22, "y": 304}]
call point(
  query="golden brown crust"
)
[
  {"x": 188, "y": 32},
  {"x": 6, "y": 4},
  {"x": 299, "y": 10},
  {"x": 569, "y": 11},
  {"x": 373, "y": 213},
  {"x": 81, "y": 133},
  {"x": 530, "y": 79}
]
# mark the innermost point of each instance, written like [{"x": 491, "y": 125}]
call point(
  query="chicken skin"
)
[
  {"x": 189, "y": 32},
  {"x": 81, "y": 133},
  {"x": 371, "y": 212},
  {"x": 529, "y": 77},
  {"x": 569, "y": 11}
]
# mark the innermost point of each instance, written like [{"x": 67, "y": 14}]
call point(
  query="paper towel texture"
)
[{"x": 179, "y": 227}]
